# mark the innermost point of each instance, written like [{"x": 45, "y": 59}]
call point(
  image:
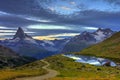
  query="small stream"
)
[{"x": 91, "y": 60}]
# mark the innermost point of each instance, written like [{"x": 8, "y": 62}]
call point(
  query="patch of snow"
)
[
  {"x": 30, "y": 40},
  {"x": 42, "y": 44},
  {"x": 49, "y": 42},
  {"x": 14, "y": 40},
  {"x": 99, "y": 36},
  {"x": 67, "y": 41}
]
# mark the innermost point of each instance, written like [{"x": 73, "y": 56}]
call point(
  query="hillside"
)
[
  {"x": 31, "y": 69},
  {"x": 9, "y": 58},
  {"x": 71, "y": 70},
  {"x": 110, "y": 48},
  {"x": 68, "y": 69}
]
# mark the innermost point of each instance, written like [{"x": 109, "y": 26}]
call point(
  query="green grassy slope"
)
[
  {"x": 31, "y": 69},
  {"x": 70, "y": 70},
  {"x": 110, "y": 48},
  {"x": 10, "y": 60}
]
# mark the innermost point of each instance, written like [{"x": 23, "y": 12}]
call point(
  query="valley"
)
[
  {"x": 51, "y": 65},
  {"x": 67, "y": 68},
  {"x": 71, "y": 70}
]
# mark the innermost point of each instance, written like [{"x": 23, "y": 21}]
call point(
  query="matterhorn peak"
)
[{"x": 20, "y": 34}]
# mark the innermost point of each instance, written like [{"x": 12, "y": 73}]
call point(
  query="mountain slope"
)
[
  {"x": 27, "y": 70},
  {"x": 25, "y": 45},
  {"x": 9, "y": 58},
  {"x": 87, "y": 39},
  {"x": 71, "y": 70},
  {"x": 109, "y": 48},
  {"x": 53, "y": 45}
]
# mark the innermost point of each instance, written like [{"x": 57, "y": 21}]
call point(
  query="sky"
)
[{"x": 50, "y": 19}]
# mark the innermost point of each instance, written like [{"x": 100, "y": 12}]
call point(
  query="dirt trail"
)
[{"x": 51, "y": 73}]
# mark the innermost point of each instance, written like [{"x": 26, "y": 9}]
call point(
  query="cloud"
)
[
  {"x": 73, "y": 3},
  {"x": 35, "y": 17},
  {"x": 82, "y": 6},
  {"x": 90, "y": 28},
  {"x": 65, "y": 8},
  {"x": 6, "y": 32},
  {"x": 56, "y": 36},
  {"x": 2, "y": 27},
  {"x": 51, "y": 8},
  {"x": 3, "y": 13},
  {"x": 45, "y": 38},
  {"x": 115, "y": 2},
  {"x": 51, "y": 27},
  {"x": 95, "y": 18}
]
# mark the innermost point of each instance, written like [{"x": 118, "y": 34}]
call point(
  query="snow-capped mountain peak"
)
[
  {"x": 102, "y": 34},
  {"x": 86, "y": 39},
  {"x": 20, "y": 34}
]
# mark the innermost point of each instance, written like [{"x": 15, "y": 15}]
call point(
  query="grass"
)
[
  {"x": 70, "y": 70},
  {"x": 31, "y": 69}
]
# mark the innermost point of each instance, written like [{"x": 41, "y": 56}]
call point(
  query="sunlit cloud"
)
[
  {"x": 37, "y": 19},
  {"x": 66, "y": 8},
  {"x": 6, "y": 34},
  {"x": 2, "y": 27},
  {"x": 7, "y": 31},
  {"x": 51, "y": 8},
  {"x": 4, "y": 13},
  {"x": 13, "y": 31},
  {"x": 52, "y": 27},
  {"x": 55, "y": 36},
  {"x": 90, "y": 28},
  {"x": 45, "y": 38},
  {"x": 64, "y": 34}
]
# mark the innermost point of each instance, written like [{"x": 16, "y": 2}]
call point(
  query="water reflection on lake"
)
[{"x": 91, "y": 60}]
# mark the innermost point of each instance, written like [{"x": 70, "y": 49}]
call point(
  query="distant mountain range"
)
[
  {"x": 109, "y": 48},
  {"x": 25, "y": 45},
  {"x": 86, "y": 39}
]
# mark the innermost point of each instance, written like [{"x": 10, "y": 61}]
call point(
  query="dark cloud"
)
[
  {"x": 14, "y": 21},
  {"x": 95, "y": 18},
  {"x": 20, "y": 10},
  {"x": 115, "y": 2},
  {"x": 25, "y": 7},
  {"x": 82, "y": 6},
  {"x": 45, "y": 32}
]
